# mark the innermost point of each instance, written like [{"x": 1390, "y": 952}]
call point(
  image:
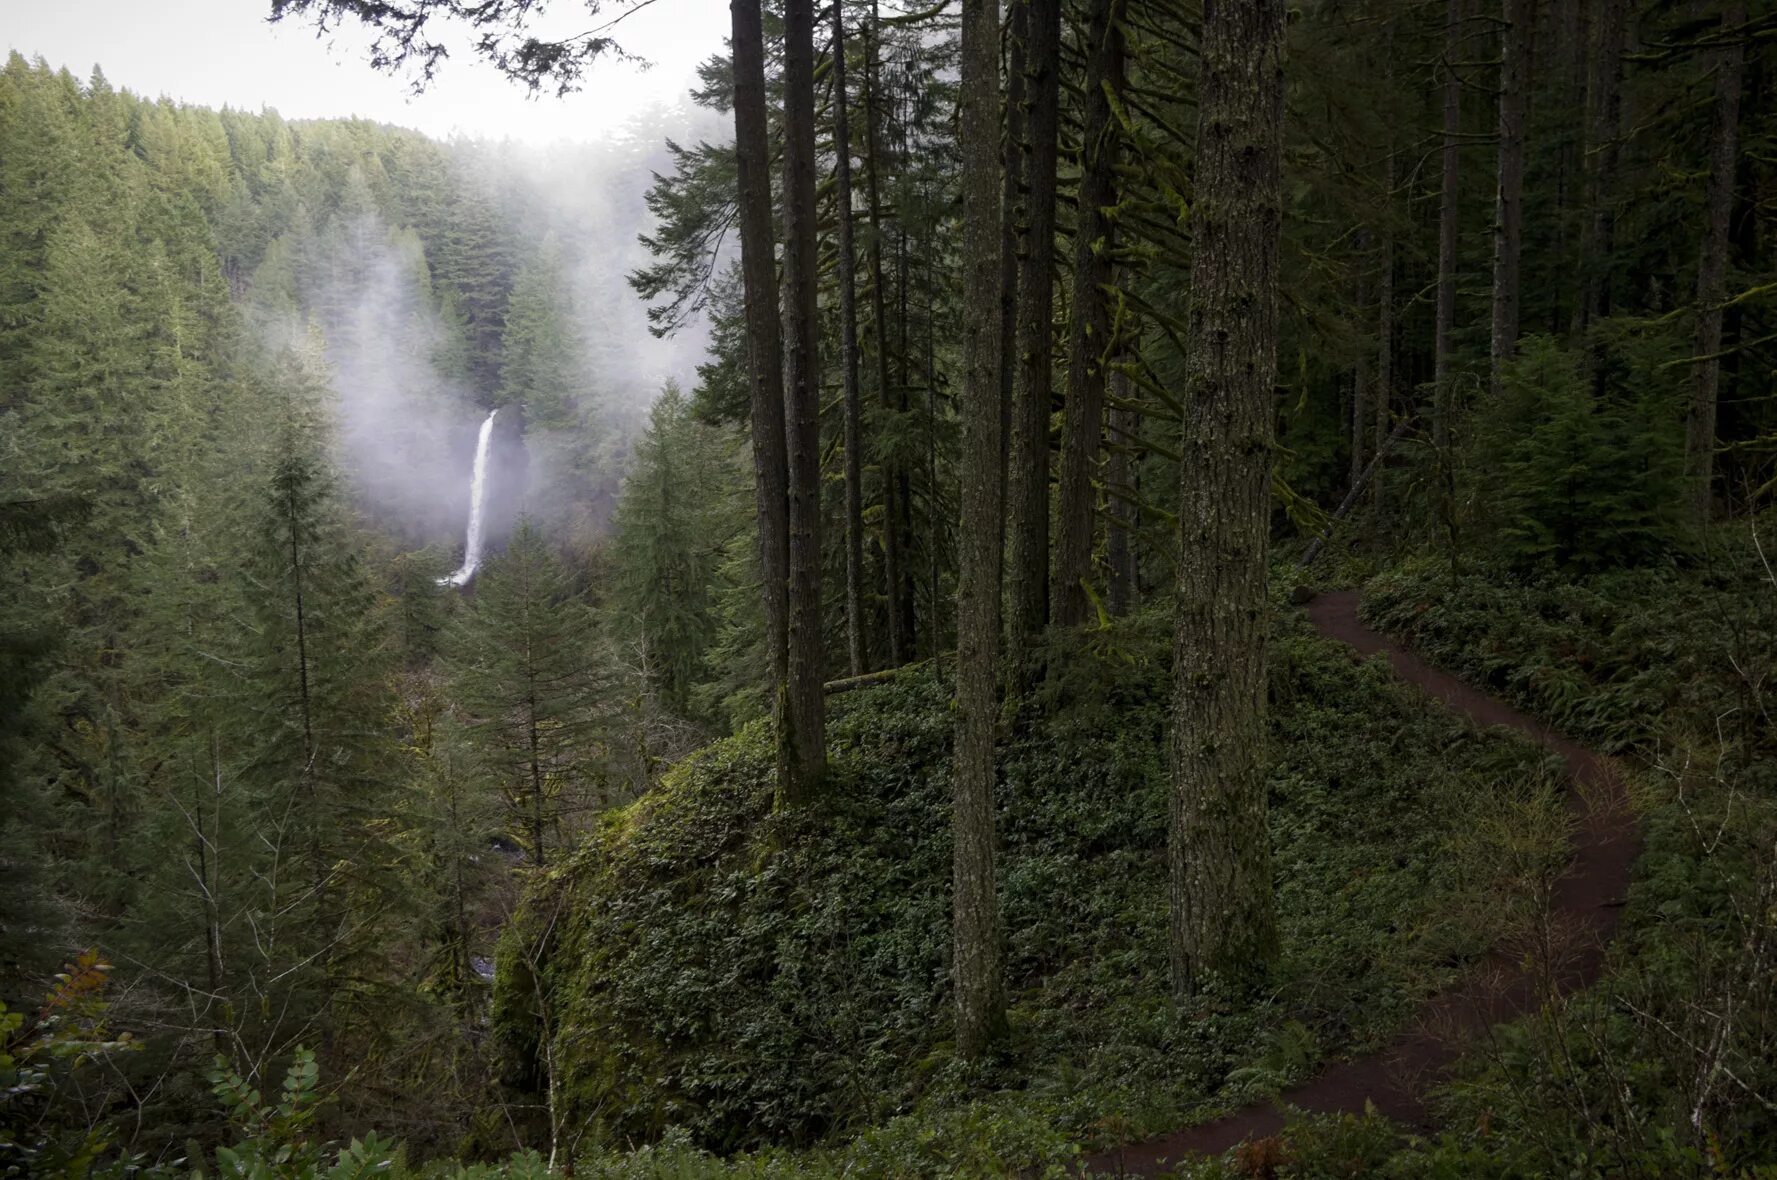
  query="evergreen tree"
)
[
  {"x": 673, "y": 524},
  {"x": 536, "y": 703}
]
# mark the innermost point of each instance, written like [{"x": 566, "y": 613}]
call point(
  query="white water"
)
[{"x": 477, "y": 495}]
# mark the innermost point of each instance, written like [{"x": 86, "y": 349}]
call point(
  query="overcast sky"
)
[{"x": 223, "y": 52}]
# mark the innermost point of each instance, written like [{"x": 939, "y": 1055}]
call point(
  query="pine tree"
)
[
  {"x": 528, "y": 681},
  {"x": 673, "y": 525}
]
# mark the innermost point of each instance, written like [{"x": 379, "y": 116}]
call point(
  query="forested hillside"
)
[
  {"x": 254, "y": 751},
  {"x": 935, "y": 736}
]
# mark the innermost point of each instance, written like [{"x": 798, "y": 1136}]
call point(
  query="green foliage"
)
[
  {"x": 1666, "y": 666},
  {"x": 1568, "y": 477},
  {"x": 753, "y": 977},
  {"x": 678, "y": 514},
  {"x": 40, "y": 1062},
  {"x": 528, "y": 681},
  {"x": 1603, "y": 656}
]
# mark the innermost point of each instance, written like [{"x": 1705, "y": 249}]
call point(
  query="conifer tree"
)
[
  {"x": 980, "y": 1000},
  {"x": 1222, "y": 912},
  {"x": 527, "y": 679},
  {"x": 673, "y": 525}
]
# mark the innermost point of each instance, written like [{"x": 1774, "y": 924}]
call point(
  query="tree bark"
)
[
  {"x": 1011, "y": 152},
  {"x": 848, "y": 348},
  {"x": 764, "y": 355},
  {"x": 1712, "y": 267},
  {"x": 807, "y": 664},
  {"x": 1028, "y": 483},
  {"x": 1449, "y": 221},
  {"x": 1223, "y": 921},
  {"x": 1361, "y": 376},
  {"x": 1605, "y": 100},
  {"x": 980, "y": 1012},
  {"x": 1089, "y": 332},
  {"x": 1383, "y": 393},
  {"x": 1121, "y": 588},
  {"x": 894, "y": 549},
  {"x": 1508, "y": 212}
]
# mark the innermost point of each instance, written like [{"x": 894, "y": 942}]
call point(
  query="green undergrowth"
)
[
  {"x": 1668, "y": 1066},
  {"x": 716, "y": 977}
]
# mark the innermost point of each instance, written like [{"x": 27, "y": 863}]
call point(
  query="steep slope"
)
[{"x": 756, "y": 979}]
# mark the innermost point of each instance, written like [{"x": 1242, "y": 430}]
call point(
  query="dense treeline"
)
[
  {"x": 1506, "y": 331},
  {"x": 256, "y": 753}
]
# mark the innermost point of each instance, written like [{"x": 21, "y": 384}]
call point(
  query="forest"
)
[{"x": 1204, "y": 610}]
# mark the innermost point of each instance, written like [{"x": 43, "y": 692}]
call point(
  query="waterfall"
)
[{"x": 477, "y": 496}]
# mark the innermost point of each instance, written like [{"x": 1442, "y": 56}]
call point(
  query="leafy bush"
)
[
  {"x": 41, "y": 1059},
  {"x": 756, "y": 978}
]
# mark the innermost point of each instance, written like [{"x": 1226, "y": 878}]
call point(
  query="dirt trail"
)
[{"x": 1586, "y": 904}]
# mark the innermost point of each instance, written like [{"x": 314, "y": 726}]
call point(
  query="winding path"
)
[{"x": 1585, "y": 906}]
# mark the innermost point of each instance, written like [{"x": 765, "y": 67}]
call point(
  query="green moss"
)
[{"x": 783, "y": 979}]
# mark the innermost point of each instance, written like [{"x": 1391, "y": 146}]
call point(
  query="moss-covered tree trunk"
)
[
  {"x": 1223, "y": 921},
  {"x": 976, "y": 964}
]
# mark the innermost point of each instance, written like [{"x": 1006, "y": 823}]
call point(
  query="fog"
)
[{"x": 407, "y": 424}]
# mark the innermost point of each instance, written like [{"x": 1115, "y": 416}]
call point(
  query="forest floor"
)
[{"x": 1583, "y": 909}]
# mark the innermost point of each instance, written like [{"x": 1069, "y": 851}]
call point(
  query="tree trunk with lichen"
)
[
  {"x": 980, "y": 1004},
  {"x": 1223, "y": 919}
]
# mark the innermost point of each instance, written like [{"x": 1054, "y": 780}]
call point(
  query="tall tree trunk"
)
[
  {"x": 1119, "y": 548},
  {"x": 1383, "y": 393},
  {"x": 209, "y": 857},
  {"x": 894, "y": 549},
  {"x": 802, "y": 384},
  {"x": 1089, "y": 342},
  {"x": 848, "y": 348},
  {"x": 765, "y": 372},
  {"x": 1712, "y": 267},
  {"x": 1570, "y": 24},
  {"x": 1011, "y": 216},
  {"x": 1508, "y": 212},
  {"x": 1028, "y": 485},
  {"x": 1605, "y": 116},
  {"x": 1449, "y": 222},
  {"x": 535, "y": 764},
  {"x": 1223, "y": 920},
  {"x": 980, "y": 1012},
  {"x": 1360, "y": 369}
]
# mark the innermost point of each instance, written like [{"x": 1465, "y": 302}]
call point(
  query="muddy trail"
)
[{"x": 1585, "y": 906}]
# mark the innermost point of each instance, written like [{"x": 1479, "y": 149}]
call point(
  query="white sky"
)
[{"x": 224, "y": 53}]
